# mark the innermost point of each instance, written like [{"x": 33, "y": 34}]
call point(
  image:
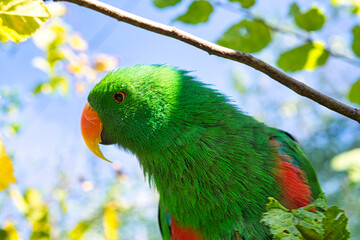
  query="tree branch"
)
[{"x": 217, "y": 50}]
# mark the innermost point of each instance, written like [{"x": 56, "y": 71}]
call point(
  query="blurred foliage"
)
[
  {"x": 9, "y": 232},
  {"x": 9, "y": 101},
  {"x": 20, "y": 18},
  {"x": 35, "y": 210},
  {"x": 10, "y": 105},
  {"x": 348, "y": 161},
  {"x": 6, "y": 170},
  {"x": 110, "y": 221},
  {"x": 352, "y": 6},
  {"x": 305, "y": 223},
  {"x": 66, "y": 54}
]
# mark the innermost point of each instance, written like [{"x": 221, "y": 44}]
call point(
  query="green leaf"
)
[
  {"x": 247, "y": 36},
  {"x": 165, "y": 3},
  {"x": 354, "y": 93},
  {"x": 20, "y": 18},
  {"x": 335, "y": 224},
  {"x": 308, "y": 56},
  {"x": 280, "y": 221},
  {"x": 356, "y": 40},
  {"x": 309, "y": 223},
  {"x": 199, "y": 11},
  {"x": 305, "y": 223},
  {"x": 245, "y": 3},
  {"x": 312, "y": 20}
]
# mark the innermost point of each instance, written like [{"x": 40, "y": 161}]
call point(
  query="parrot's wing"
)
[{"x": 296, "y": 175}]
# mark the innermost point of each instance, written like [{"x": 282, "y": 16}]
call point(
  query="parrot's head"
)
[{"x": 129, "y": 105}]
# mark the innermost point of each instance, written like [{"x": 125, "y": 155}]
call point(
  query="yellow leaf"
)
[
  {"x": 20, "y": 18},
  {"x": 80, "y": 229},
  {"x": 11, "y": 233},
  {"x": 8, "y": 33},
  {"x": 110, "y": 221},
  {"x": 6, "y": 169},
  {"x": 314, "y": 54}
]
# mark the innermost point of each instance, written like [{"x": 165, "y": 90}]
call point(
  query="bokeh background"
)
[{"x": 64, "y": 192}]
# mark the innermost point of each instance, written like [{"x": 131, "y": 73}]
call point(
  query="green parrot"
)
[{"x": 213, "y": 166}]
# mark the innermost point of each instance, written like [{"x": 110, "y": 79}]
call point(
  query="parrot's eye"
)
[{"x": 119, "y": 97}]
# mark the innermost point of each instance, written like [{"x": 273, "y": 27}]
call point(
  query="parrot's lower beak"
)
[{"x": 91, "y": 128}]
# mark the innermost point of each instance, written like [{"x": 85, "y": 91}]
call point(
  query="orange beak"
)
[{"x": 91, "y": 128}]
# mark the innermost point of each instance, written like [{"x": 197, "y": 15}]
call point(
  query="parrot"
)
[{"x": 213, "y": 166}]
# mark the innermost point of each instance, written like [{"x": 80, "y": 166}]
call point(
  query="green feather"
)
[{"x": 211, "y": 164}]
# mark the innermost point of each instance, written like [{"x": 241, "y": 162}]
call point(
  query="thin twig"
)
[
  {"x": 345, "y": 58},
  {"x": 217, "y": 50}
]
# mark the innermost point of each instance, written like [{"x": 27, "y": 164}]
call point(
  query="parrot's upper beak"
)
[{"x": 91, "y": 128}]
